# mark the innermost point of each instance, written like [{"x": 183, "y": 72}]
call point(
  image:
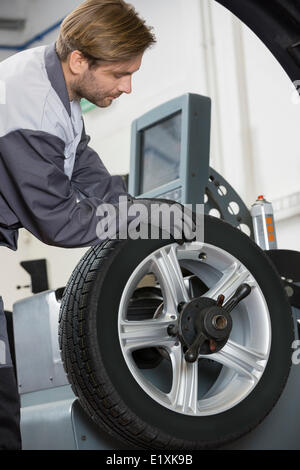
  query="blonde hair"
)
[{"x": 104, "y": 30}]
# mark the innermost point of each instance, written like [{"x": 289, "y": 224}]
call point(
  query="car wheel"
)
[{"x": 177, "y": 400}]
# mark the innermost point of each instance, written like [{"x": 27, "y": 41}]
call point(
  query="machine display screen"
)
[{"x": 160, "y": 153}]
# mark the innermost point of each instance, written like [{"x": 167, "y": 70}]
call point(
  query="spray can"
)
[{"x": 263, "y": 224}]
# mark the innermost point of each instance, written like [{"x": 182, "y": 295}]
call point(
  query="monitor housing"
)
[{"x": 170, "y": 150}]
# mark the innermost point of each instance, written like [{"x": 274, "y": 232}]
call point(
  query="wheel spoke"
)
[
  {"x": 246, "y": 362},
  {"x": 144, "y": 334},
  {"x": 184, "y": 392},
  {"x": 232, "y": 278},
  {"x": 167, "y": 269}
]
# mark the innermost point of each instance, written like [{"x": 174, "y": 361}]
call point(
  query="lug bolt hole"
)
[{"x": 219, "y": 322}]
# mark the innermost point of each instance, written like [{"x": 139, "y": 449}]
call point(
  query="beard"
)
[{"x": 85, "y": 87}]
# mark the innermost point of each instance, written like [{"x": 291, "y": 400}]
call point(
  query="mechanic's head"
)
[{"x": 101, "y": 44}]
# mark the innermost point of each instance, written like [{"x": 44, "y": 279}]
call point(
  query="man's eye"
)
[{"x": 116, "y": 75}]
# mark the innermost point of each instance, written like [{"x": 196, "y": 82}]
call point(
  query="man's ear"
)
[{"x": 77, "y": 62}]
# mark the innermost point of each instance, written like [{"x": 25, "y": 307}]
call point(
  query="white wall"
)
[
  {"x": 39, "y": 14},
  {"x": 259, "y": 116},
  {"x": 203, "y": 49}
]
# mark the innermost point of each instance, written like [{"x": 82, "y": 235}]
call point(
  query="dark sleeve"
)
[
  {"x": 91, "y": 177},
  {"x": 33, "y": 181}
]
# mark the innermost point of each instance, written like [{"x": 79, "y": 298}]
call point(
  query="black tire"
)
[{"x": 98, "y": 372}]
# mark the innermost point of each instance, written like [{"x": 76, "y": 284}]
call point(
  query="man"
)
[{"x": 51, "y": 181}]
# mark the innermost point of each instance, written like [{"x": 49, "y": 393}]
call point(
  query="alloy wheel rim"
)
[{"x": 242, "y": 360}]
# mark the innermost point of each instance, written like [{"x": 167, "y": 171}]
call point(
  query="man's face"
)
[{"x": 102, "y": 85}]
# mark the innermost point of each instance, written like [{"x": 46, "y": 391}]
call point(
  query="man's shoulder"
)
[
  {"x": 27, "y": 95},
  {"x": 34, "y": 54},
  {"x": 25, "y": 69},
  {"x": 25, "y": 86}
]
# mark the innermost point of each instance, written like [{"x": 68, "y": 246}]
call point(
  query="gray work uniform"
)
[
  {"x": 51, "y": 181},
  {"x": 10, "y": 436}
]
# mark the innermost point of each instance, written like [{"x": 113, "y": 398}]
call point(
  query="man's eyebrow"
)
[{"x": 119, "y": 72}]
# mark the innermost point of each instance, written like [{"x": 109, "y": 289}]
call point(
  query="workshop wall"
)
[
  {"x": 258, "y": 115},
  {"x": 203, "y": 49}
]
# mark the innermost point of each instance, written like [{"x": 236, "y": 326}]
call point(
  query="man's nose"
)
[{"x": 125, "y": 85}]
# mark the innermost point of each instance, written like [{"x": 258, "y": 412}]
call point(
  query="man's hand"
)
[{"x": 164, "y": 216}]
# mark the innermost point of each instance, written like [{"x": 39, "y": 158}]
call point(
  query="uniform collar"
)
[{"x": 56, "y": 75}]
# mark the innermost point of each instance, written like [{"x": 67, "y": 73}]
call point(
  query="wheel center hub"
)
[{"x": 204, "y": 316}]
